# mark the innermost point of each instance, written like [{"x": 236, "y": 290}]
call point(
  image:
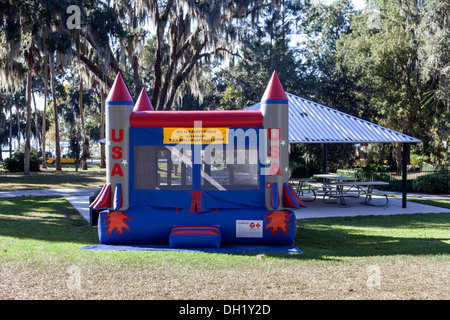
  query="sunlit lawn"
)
[
  {"x": 46, "y": 179},
  {"x": 408, "y": 257}
]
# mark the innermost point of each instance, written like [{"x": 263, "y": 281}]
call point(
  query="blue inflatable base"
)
[{"x": 290, "y": 249}]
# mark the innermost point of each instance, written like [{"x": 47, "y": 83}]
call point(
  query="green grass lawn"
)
[
  {"x": 40, "y": 256},
  {"x": 50, "y": 179},
  {"x": 369, "y": 236},
  {"x": 436, "y": 203}
]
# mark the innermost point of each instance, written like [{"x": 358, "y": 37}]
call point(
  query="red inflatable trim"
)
[
  {"x": 202, "y": 230},
  {"x": 103, "y": 199},
  {"x": 274, "y": 89},
  {"x": 185, "y": 119},
  {"x": 288, "y": 202},
  {"x": 143, "y": 102},
  {"x": 196, "y": 201},
  {"x": 119, "y": 91},
  {"x": 211, "y": 232},
  {"x": 196, "y": 226},
  {"x": 297, "y": 198}
]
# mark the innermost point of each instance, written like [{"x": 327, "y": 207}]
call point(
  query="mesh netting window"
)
[
  {"x": 155, "y": 168},
  {"x": 229, "y": 170}
]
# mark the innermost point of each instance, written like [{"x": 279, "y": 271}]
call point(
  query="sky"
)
[{"x": 358, "y": 4}]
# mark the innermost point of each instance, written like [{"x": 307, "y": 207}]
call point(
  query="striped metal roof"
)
[{"x": 310, "y": 122}]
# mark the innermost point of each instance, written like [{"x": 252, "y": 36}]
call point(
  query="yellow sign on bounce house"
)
[{"x": 196, "y": 135}]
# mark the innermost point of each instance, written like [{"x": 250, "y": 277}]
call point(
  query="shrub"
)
[
  {"x": 314, "y": 168},
  {"x": 16, "y": 162},
  {"x": 397, "y": 185},
  {"x": 300, "y": 171},
  {"x": 433, "y": 183},
  {"x": 376, "y": 167}
]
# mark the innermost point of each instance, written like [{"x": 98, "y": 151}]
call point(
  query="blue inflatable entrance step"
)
[{"x": 185, "y": 236}]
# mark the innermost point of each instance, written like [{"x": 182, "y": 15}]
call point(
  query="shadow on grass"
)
[
  {"x": 54, "y": 219},
  {"x": 340, "y": 238},
  {"x": 44, "y": 180},
  {"x": 50, "y": 219}
]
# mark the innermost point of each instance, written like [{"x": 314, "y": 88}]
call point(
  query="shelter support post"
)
[{"x": 404, "y": 173}]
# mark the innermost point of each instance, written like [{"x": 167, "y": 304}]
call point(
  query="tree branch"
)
[
  {"x": 181, "y": 76},
  {"x": 95, "y": 69},
  {"x": 112, "y": 59},
  {"x": 221, "y": 49}
]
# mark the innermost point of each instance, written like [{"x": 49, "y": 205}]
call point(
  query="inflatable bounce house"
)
[{"x": 196, "y": 179}]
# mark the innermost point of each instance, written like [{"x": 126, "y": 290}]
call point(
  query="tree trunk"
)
[
  {"x": 137, "y": 79},
  {"x": 102, "y": 128},
  {"x": 44, "y": 115},
  {"x": 157, "y": 72},
  {"x": 84, "y": 151},
  {"x": 27, "y": 158},
  {"x": 181, "y": 76},
  {"x": 1, "y": 150},
  {"x": 10, "y": 128},
  {"x": 18, "y": 125},
  {"x": 36, "y": 125},
  {"x": 55, "y": 110}
]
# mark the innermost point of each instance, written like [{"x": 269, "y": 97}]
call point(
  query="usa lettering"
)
[
  {"x": 274, "y": 152},
  {"x": 117, "y": 153}
]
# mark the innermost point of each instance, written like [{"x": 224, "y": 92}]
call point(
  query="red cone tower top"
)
[
  {"x": 143, "y": 103},
  {"x": 119, "y": 93},
  {"x": 274, "y": 92}
]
